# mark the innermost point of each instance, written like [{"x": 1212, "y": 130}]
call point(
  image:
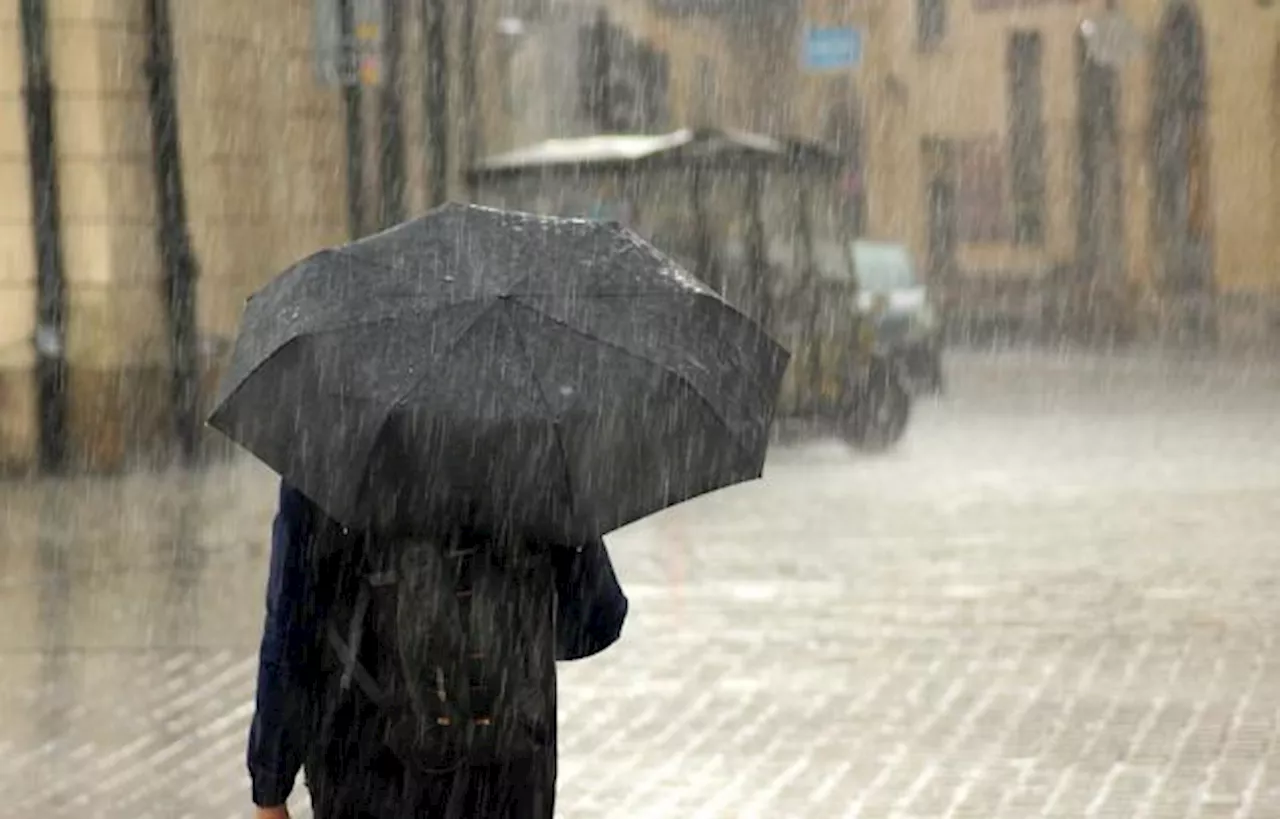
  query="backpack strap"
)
[{"x": 348, "y": 650}]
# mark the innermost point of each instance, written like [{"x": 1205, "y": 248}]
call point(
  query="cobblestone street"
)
[{"x": 1058, "y": 598}]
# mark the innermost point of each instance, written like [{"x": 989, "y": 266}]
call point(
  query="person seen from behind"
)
[{"x": 415, "y": 676}]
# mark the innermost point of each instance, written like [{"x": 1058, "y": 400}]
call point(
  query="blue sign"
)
[{"x": 831, "y": 49}]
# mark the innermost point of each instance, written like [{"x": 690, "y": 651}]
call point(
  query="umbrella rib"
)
[
  {"x": 305, "y": 334},
  {"x": 555, "y": 418},
  {"x": 587, "y": 336},
  {"x": 715, "y": 413},
  {"x": 389, "y": 268},
  {"x": 417, "y": 382},
  {"x": 666, "y": 371},
  {"x": 619, "y": 348},
  {"x": 368, "y": 320},
  {"x": 371, "y": 261},
  {"x": 711, "y": 298}
]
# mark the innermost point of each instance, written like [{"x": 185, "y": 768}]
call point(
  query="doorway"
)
[
  {"x": 941, "y": 212},
  {"x": 1095, "y": 303},
  {"x": 1183, "y": 224},
  {"x": 1098, "y": 226},
  {"x": 942, "y": 228}
]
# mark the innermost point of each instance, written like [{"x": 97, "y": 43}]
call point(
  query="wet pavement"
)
[{"x": 1057, "y": 598}]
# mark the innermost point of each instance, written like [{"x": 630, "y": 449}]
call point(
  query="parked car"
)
[{"x": 908, "y": 328}]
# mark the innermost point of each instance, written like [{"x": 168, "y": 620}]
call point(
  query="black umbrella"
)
[{"x": 562, "y": 376}]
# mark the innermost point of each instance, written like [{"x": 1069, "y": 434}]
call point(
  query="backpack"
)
[{"x": 452, "y": 642}]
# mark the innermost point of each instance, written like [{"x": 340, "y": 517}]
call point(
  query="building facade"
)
[
  {"x": 1073, "y": 164},
  {"x": 1104, "y": 166},
  {"x": 276, "y": 156},
  {"x": 263, "y": 145},
  {"x": 655, "y": 65}
]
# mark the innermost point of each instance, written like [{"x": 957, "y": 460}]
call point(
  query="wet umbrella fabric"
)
[{"x": 561, "y": 376}]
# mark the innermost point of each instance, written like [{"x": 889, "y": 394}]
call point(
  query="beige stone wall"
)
[
  {"x": 959, "y": 90},
  {"x": 263, "y": 147},
  {"x": 690, "y": 43},
  {"x": 1243, "y": 176},
  {"x": 116, "y": 332},
  {"x": 1244, "y": 161},
  {"x": 751, "y": 63},
  {"x": 263, "y": 161},
  {"x": 264, "y": 158},
  {"x": 264, "y": 144},
  {"x": 738, "y": 95}
]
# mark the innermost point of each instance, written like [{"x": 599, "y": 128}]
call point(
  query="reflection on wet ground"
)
[{"x": 1057, "y": 597}]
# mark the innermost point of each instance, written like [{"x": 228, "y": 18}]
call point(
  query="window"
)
[
  {"x": 1026, "y": 135},
  {"x": 982, "y": 202},
  {"x": 931, "y": 23},
  {"x": 883, "y": 267}
]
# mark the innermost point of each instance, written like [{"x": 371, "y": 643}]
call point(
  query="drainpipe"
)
[
  {"x": 391, "y": 154},
  {"x": 437, "y": 99},
  {"x": 176, "y": 253},
  {"x": 352, "y": 97},
  {"x": 51, "y": 362},
  {"x": 757, "y": 256},
  {"x": 472, "y": 136}
]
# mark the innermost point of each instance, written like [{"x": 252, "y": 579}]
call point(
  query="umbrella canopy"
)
[{"x": 560, "y": 376}]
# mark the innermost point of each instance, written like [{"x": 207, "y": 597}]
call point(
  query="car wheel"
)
[{"x": 882, "y": 412}]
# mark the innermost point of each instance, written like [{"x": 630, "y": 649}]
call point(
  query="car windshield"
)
[{"x": 883, "y": 267}]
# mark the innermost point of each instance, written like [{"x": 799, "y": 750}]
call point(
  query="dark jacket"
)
[{"x": 591, "y": 611}]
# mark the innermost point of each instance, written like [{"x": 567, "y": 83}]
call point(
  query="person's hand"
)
[{"x": 277, "y": 812}]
